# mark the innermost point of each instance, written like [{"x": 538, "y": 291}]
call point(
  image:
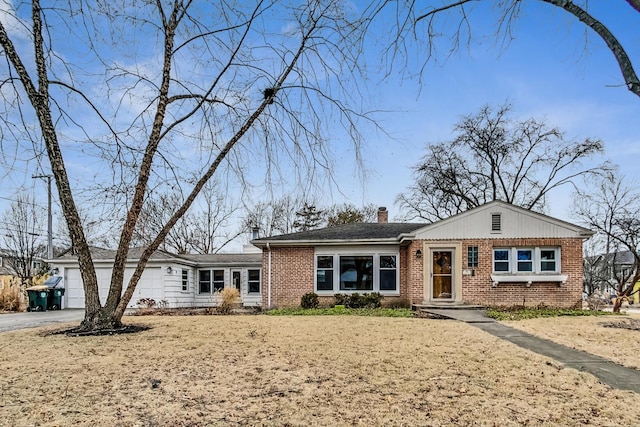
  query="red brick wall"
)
[
  {"x": 478, "y": 289},
  {"x": 292, "y": 275}
]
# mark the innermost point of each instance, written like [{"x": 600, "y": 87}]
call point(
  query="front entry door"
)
[
  {"x": 235, "y": 280},
  {"x": 442, "y": 275}
]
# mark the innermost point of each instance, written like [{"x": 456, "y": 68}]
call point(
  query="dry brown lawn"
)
[
  {"x": 588, "y": 334},
  {"x": 298, "y": 371}
]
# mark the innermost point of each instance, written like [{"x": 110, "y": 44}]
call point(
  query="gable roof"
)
[{"x": 353, "y": 233}]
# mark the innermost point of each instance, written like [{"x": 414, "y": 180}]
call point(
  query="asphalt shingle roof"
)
[{"x": 351, "y": 232}]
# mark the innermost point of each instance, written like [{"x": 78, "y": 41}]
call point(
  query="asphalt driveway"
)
[{"x": 16, "y": 321}]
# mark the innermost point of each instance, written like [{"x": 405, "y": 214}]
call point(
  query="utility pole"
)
[{"x": 49, "y": 216}]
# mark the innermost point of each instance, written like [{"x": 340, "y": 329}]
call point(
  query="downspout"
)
[{"x": 269, "y": 277}]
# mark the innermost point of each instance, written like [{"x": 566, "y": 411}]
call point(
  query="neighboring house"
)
[
  {"x": 496, "y": 254},
  {"x": 608, "y": 269},
  {"x": 178, "y": 280}
]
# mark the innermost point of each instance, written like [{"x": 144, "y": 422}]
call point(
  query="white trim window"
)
[
  {"x": 185, "y": 280},
  {"x": 357, "y": 272},
  {"x": 204, "y": 281},
  {"x": 253, "y": 281},
  {"x": 525, "y": 260}
]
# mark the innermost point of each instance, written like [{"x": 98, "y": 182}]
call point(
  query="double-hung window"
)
[
  {"x": 254, "y": 281},
  {"x": 218, "y": 280},
  {"x": 324, "y": 272},
  {"x": 388, "y": 273},
  {"x": 204, "y": 281}
]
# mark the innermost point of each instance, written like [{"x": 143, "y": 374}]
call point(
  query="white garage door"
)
[{"x": 150, "y": 286}]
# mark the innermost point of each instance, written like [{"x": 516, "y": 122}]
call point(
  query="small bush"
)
[
  {"x": 10, "y": 296},
  {"x": 309, "y": 300},
  {"x": 229, "y": 298},
  {"x": 372, "y": 300},
  {"x": 146, "y": 303},
  {"x": 341, "y": 299}
]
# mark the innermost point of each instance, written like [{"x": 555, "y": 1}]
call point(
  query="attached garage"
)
[{"x": 150, "y": 285}]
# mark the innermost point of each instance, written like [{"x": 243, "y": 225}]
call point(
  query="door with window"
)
[
  {"x": 442, "y": 274},
  {"x": 236, "y": 280}
]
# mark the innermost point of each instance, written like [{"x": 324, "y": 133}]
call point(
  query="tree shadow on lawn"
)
[{"x": 74, "y": 332}]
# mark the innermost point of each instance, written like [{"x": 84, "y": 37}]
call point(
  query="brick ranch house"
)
[{"x": 497, "y": 254}]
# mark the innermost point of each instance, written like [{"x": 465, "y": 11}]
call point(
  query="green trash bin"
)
[
  {"x": 38, "y": 296},
  {"x": 56, "y": 292},
  {"x": 54, "y": 300}
]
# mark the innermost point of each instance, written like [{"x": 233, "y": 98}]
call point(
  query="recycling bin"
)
[
  {"x": 56, "y": 292},
  {"x": 54, "y": 300},
  {"x": 38, "y": 296}
]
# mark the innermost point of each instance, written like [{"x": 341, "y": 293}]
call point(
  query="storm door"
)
[
  {"x": 235, "y": 280},
  {"x": 442, "y": 275}
]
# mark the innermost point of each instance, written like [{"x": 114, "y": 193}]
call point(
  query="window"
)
[
  {"x": 254, "y": 281},
  {"x": 501, "y": 260},
  {"x": 185, "y": 280},
  {"x": 371, "y": 272},
  {"x": 496, "y": 222},
  {"x": 204, "y": 281},
  {"x": 472, "y": 256},
  {"x": 356, "y": 273},
  {"x": 388, "y": 273},
  {"x": 526, "y": 260},
  {"x": 324, "y": 273},
  {"x": 218, "y": 280},
  {"x": 548, "y": 260}
]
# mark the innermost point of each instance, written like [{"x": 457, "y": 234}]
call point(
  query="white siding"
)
[
  {"x": 515, "y": 223},
  {"x": 150, "y": 285}
]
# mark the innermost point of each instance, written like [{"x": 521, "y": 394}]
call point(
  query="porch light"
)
[
  {"x": 418, "y": 254},
  {"x": 169, "y": 270}
]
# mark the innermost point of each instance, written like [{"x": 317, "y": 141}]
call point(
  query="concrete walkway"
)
[{"x": 608, "y": 372}]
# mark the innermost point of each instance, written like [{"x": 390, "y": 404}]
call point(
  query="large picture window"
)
[
  {"x": 526, "y": 260},
  {"x": 356, "y": 273},
  {"x": 375, "y": 272}
]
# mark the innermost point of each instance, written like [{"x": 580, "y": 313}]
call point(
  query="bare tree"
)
[
  {"x": 168, "y": 89},
  {"x": 275, "y": 217},
  {"x": 611, "y": 207},
  {"x": 348, "y": 214},
  {"x": 494, "y": 157},
  {"x": 23, "y": 227},
  {"x": 205, "y": 229},
  {"x": 453, "y": 20}
]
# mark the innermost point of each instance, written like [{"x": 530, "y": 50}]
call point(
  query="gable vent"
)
[{"x": 496, "y": 222}]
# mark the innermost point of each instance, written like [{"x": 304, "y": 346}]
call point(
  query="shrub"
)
[
  {"x": 229, "y": 296},
  {"x": 10, "y": 296},
  {"x": 309, "y": 300},
  {"x": 146, "y": 303},
  {"x": 372, "y": 300},
  {"x": 342, "y": 299}
]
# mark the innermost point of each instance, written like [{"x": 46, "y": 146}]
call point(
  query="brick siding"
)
[{"x": 292, "y": 275}]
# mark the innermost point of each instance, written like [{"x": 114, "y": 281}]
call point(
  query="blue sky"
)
[{"x": 547, "y": 71}]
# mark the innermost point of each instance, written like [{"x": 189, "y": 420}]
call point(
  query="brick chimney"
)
[{"x": 383, "y": 215}]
